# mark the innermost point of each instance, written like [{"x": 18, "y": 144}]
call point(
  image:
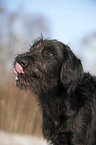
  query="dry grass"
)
[{"x": 19, "y": 111}]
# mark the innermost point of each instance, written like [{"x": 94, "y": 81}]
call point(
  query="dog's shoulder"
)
[
  {"x": 87, "y": 80},
  {"x": 86, "y": 86}
]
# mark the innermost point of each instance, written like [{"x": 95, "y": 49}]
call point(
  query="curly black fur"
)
[{"x": 67, "y": 95}]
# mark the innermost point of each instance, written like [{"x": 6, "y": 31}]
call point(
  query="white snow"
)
[{"x": 15, "y": 139}]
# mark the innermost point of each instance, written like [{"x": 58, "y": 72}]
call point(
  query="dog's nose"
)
[{"x": 23, "y": 62}]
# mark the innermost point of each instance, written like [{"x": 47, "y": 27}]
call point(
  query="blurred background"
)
[{"x": 22, "y": 22}]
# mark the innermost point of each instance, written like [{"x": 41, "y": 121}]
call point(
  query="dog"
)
[{"x": 66, "y": 94}]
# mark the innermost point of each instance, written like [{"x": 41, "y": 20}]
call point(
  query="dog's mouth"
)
[
  {"x": 20, "y": 73},
  {"x": 18, "y": 69}
]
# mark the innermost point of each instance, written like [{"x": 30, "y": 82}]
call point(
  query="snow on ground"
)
[{"x": 15, "y": 139}]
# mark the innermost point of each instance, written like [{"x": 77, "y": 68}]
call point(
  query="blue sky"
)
[{"x": 69, "y": 20}]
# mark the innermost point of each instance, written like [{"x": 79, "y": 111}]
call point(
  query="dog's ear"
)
[{"x": 71, "y": 67}]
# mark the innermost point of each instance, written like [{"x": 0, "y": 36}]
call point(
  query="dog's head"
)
[{"x": 45, "y": 65}]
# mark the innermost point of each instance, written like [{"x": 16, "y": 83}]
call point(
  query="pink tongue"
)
[{"x": 18, "y": 68}]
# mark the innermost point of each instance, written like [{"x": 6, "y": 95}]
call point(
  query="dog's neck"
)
[
  {"x": 49, "y": 100},
  {"x": 54, "y": 102}
]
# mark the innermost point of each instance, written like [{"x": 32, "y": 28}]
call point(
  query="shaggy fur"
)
[{"x": 66, "y": 94}]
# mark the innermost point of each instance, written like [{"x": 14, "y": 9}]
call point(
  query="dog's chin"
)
[
  {"x": 20, "y": 82},
  {"x": 24, "y": 82}
]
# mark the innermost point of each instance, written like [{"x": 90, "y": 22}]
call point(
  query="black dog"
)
[{"x": 66, "y": 94}]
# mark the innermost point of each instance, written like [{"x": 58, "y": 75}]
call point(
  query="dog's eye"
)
[{"x": 48, "y": 53}]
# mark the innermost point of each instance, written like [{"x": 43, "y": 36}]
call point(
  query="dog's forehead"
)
[{"x": 53, "y": 44}]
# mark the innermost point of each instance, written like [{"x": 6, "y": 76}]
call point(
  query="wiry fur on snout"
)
[{"x": 66, "y": 94}]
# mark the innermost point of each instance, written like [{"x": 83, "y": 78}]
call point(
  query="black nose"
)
[{"x": 23, "y": 62}]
